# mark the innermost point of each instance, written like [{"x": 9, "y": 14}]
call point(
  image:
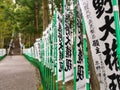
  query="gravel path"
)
[{"x": 16, "y": 73}]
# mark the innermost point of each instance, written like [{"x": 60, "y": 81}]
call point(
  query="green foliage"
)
[
  {"x": 6, "y": 21},
  {"x": 27, "y": 19},
  {"x": 58, "y": 4},
  {"x": 19, "y": 18}
]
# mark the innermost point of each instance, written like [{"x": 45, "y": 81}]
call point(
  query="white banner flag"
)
[
  {"x": 68, "y": 49},
  {"x": 37, "y": 49},
  {"x": 99, "y": 20},
  {"x": 81, "y": 81},
  {"x": 60, "y": 46},
  {"x": 45, "y": 47}
]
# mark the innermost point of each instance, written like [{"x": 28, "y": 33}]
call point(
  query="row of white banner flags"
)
[{"x": 99, "y": 20}]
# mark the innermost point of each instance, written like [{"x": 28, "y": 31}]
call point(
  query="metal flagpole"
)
[
  {"x": 49, "y": 69},
  {"x": 49, "y": 58},
  {"x": 56, "y": 41},
  {"x": 85, "y": 55},
  {"x": 45, "y": 57},
  {"x": 63, "y": 40},
  {"x": 117, "y": 27},
  {"x": 51, "y": 75},
  {"x": 75, "y": 23},
  {"x": 53, "y": 54},
  {"x": 43, "y": 69},
  {"x": 55, "y": 48}
]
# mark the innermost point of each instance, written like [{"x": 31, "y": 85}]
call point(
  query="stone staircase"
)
[{"x": 16, "y": 46}]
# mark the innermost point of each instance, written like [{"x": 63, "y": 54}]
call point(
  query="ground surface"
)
[{"x": 16, "y": 73}]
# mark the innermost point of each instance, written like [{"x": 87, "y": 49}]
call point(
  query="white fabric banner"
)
[
  {"x": 45, "y": 46},
  {"x": 81, "y": 81},
  {"x": 38, "y": 49},
  {"x": 2, "y": 52},
  {"x": 29, "y": 52},
  {"x": 68, "y": 49},
  {"x": 60, "y": 46},
  {"x": 99, "y": 20},
  {"x": 32, "y": 52}
]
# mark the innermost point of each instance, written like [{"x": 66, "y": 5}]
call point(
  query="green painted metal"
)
[
  {"x": 51, "y": 75},
  {"x": 1, "y": 57},
  {"x": 117, "y": 27},
  {"x": 53, "y": 68},
  {"x": 63, "y": 41},
  {"x": 47, "y": 64},
  {"x": 75, "y": 43},
  {"x": 56, "y": 49},
  {"x": 44, "y": 71},
  {"x": 85, "y": 55}
]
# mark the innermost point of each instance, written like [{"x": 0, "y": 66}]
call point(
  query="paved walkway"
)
[{"x": 16, "y": 73}]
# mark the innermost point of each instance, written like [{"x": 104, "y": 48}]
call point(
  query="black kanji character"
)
[
  {"x": 68, "y": 51},
  {"x": 80, "y": 41},
  {"x": 60, "y": 55},
  {"x": 98, "y": 5},
  {"x": 80, "y": 73},
  {"x": 60, "y": 44},
  {"x": 113, "y": 85},
  {"x": 68, "y": 65},
  {"x": 59, "y": 18},
  {"x": 114, "y": 54},
  {"x": 98, "y": 67},
  {"x": 68, "y": 41},
  {"x": 110, "y": 10},
  {"x": 96, "y": 43},
  {"x": 61, "y": 65},
  {"x": 97, "y": 50},
  {"x": 107, "y": 28},
  {"x": 80, "y": 59},
  {"x": 108, "y": 52}
]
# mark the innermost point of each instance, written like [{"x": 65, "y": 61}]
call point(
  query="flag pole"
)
[
  {"x": 75, "y": 23},
  {"x": 117, "y": 27},
  {"x": 51, "y": 60},
  {"x": 53, "y": 46},
  {"x": 56, "y": 48},
  {"x": 63, "y": 41},
  {"x": 85, "y": 55}
]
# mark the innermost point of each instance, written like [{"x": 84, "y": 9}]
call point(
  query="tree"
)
[
  {"x": 45, "y": 14},
  {"x": 6, "y": 22},
  {"x": 29, "y": 21}
]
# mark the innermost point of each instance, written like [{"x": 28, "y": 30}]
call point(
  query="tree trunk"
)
[
  {"x": 93, "y": 77},
  {"x": 52, "y": 7},
  {"x": 45, "y": 14},
  {"x": 37, "y": 17}
]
